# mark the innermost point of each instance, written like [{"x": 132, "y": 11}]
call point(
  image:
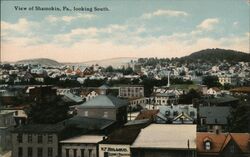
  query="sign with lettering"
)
[{"x": 112, "y": 150}]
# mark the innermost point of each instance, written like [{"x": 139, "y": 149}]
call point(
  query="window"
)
[
  {"x": 232, "y": 148},
  {"x": 29, "y": 151},
  {"x": 50, "y": 152},
  {"x": 20, "y": 152},
  {"x": 106, "y": 154},
  {"x": 167, "y": 113},
  {"x": 20, "y": 138},
  {"x": 67, "y": 152},
  {"x": 105, "y": 115},
  {"x": 86, "y": 114},
  {"x": 192, "y": 114},
  {"x": 74, "y": 152},
  {"x": 39, "y": 152},
  {"x": 29, "y": 138},
  {"x": 40, "y": 139},
  {"x": 175, "y": 113},
  {"x": 90, "y": 152},
  {"x": 50, "y": 139},
  {"x": 207, "y": 145},
  {"x": 82, "y": 152}
]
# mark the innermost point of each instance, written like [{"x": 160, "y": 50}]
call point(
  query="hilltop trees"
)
[{"x": 211, "y": 81}]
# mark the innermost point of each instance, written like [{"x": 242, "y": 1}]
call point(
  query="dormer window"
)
[
  {"x": 175, "y": 113},
  {"x": 207, "y": 145},
  {"x": 167, "y": 113}
]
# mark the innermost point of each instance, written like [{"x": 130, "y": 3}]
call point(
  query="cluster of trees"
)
[
  {"x": 239, "y": 121},
  {"x": 217, "y": 56},
  {"x": 213, "y": 56},
  {"x": 48, "y": 111},
  {"x": 211, "y": 81},
  {"x": 188, "y": 98},
  {"x": 124, "y": 71}
]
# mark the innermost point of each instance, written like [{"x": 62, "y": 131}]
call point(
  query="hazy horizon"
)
[{"x": 136, "y": 29}]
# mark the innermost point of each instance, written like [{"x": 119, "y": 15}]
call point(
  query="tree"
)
[
  {"x": 48, "y": 111},
  {"x": 211, "y": 81},
  {"x": 239, "y": 121},
  {"x": 109, "y": 69},
  {"x": 189, "y": 97}
]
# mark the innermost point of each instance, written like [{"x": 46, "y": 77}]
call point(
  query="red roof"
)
[
  {"x": 147, "y": 114},
  {"x": 220, "y": 141}
]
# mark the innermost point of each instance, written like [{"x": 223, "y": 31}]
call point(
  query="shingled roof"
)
[
  {"x": 104, "y": 101},
  {"x": 89, "y": 123},
  {"x": 221, "y": 140}
]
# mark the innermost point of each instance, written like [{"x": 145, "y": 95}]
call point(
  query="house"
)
[
  {"x": 131, "y": 91},
  {"x": 7, "y": 123},
  {"x": 37, "y": 140},
  {"x": 137, "y": 103},
  {"x": 220, "y": 100},
  {"x": 165, "y": 96},
  {"x": 82, "y": 146},
  {"x": 119, "y": 141},
  {"x": 106, "y": 107},
  {"x": 41, "y": 92},
  {"x": 223, "y": 144},
  {"x": 147, "y": 114},
  {"x": 177, "y": 114},
  {"x": 19, "y": 114},
  {"x": 214, "y": 91},
  {"x": 91, "y": 95},
  {"x": 227, "y": 79},
  {"x": 72, "y": 99},
  {"x": 214, "y": 118},
  {"x": 165, "y": 99},
  {"x": 88, "y": 125},
  {"x": 160, "y": 140}
]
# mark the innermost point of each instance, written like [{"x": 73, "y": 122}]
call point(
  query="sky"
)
[{"x": 124, "y": 28}]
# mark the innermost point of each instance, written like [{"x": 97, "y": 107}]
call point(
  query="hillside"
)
[
  {"x": 217, "y": 55},
  {"x": 42, "y": 61},
  {"x": 114, "y": 62}
]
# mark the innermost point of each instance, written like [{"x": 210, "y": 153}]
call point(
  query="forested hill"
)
[{"x": 217, "y": 55}]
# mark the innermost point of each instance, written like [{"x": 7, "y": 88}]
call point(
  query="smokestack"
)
[{"x": 168, "y": 79}]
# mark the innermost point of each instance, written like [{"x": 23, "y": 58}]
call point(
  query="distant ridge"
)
[
  {"x": 115, "y": 62},
  {"x": 42, "y": 61},
  {"x": 217, "y": 55},
  {"x": 208, "y": 55}
]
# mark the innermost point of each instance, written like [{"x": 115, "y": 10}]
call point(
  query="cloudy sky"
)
[{"x": 142, "y": 28}]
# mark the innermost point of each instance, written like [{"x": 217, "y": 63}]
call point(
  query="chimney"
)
[{"x": 217, "y": 131}]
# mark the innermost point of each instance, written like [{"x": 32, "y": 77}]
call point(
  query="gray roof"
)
[
  {"x": 222, "y": 99},
  {"x": 104, "y": 87},
  {"x": 88, "y": 123},
  {"x": 71, "y": 97},
  {"x": 215, "y": 114},
  {"x": 40, "y": 128},
  {"x": 104, "y": 101},
  {"x": 135, "y": 122}
]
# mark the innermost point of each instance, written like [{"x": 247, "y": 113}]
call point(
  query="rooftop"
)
[
  {"x": 84, "y": 139},
  {"x": 104, "y": 101},
  {"x": 125, "y": 135},
  {"x": 220, "y": 141},
  {"x": 215, "y": 114},
  {"x": 89, "y": 123},
  {"x": 162, "y": 136},
  {"x": 40, "y": 128}
]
